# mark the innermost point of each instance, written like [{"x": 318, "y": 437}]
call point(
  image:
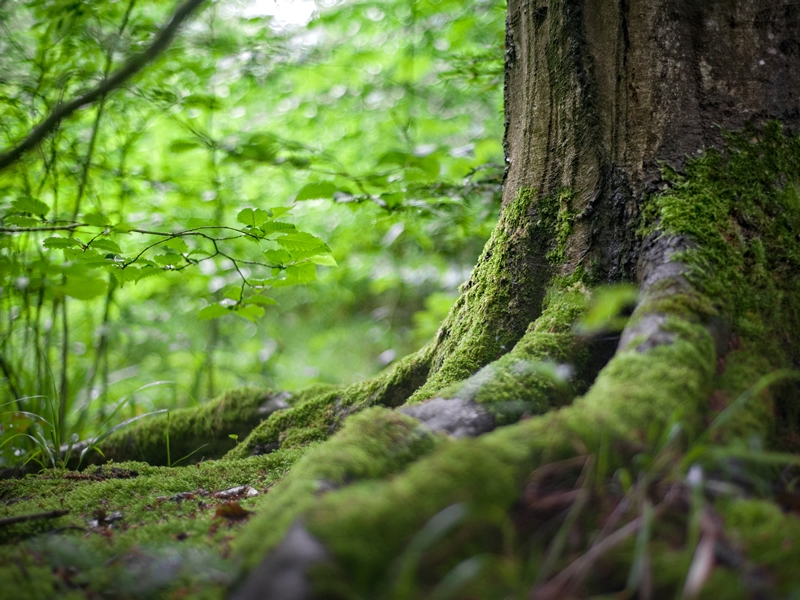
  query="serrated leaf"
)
[
  {"x": 233, "y": 292},
  {"x": 148, "y": 271},
  {"x": 325, "y": 260},
  {"x": 30, "y": 205},
  {"x": 58, "y": 242},
  {"x": 199, "y": 252},
  {"x": 84, "y": 288},
  {"x": 278, "y": 211},
  {"x": 252, "y": 217},
  {"x": 80, "y": 255},
  {"x": 277, "y": 257},
  {"x": 178, "y": 244},
  {"x": 96, "y": 219},
  {"x": 273, "y": 226},
  {"x": 261, "y": 300},
  {"x": 250, "y": 312},
  {"x": 21, "y": 221},
  {"x": 316, "y": 191},
  {"x": 213, "y": 311},
  {"x": 302, "y": 242},
  {"x": 168, "y": 259},
  {"x": 302, "y": 273},
  {"x": 104, "y": 244},
  {"x": 127, "y": 275}
]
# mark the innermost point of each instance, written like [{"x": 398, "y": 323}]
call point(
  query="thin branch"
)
[
  {"x": 50, "y": 514},
  {"x": 128, "y": 70},
  {"x": 45, "y": 228}
]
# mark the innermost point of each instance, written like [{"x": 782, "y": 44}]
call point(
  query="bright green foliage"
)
[{"x": 166, "y": 243}]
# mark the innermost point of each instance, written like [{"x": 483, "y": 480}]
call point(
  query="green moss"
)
[
  {"x": 202, "y": 432},
  {"x": 768, "y": 537},
  {"x": 742, "y": 208},
  {"x": 528, "y": 380},
  {"x": 368, "y": 524},
  {"x": 559, "y": 211},
  {"x": 314, "y": 417},
  {"x": 160, "y": 543},
  {"x": 503, "y": 294},
  {"x": 371, "y": 445}
]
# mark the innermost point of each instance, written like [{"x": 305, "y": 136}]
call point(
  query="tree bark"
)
[
  {"x": 601, "y": 96},
  {"x": 648, "y": 142}
]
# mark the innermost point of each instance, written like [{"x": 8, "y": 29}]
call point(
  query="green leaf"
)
[
  {"x": 302, "y": 273},
  {"x": 126, "y": 275},
  {"x": 105, "y": 244},
  {"x": 58, "y": 242},
  {"x": 79, "y": 254},
  {"x": 30, "y": 205},
  {"x": 325, "y": 260},
  {"x": 273, "y": 226},
  {"x": 261, "y": 300},
  {"x": 279, "y": 211},
  {"x": 277, "y": 257},
  {"x": 168, "y": 259},
  {"x": 21, "y": 221},
  {"x": 316, "y": 191},
  {"x": 429, "y": 165},
  {"x": 184, "y": 145},
  {"x": 178, "y": 244},
  {"x": 95, "y": 218},
  {"x": 303, "y": 242},
  {"x": 84, "y": 287},
  {"x": 252, "y": 217},
  {"x": 234, "y": 293},
  {"x": 213, "y": 311},
  {"x": 250, "y": 312},
  {"x": 259, "y": 147}
]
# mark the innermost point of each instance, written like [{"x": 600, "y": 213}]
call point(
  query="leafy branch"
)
[{"x": 135, "y": 64}]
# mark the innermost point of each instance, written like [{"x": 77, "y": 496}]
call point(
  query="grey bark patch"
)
[
  {"x": 457, "y": 416},
  {"x": 274, "y": 403},
  {"x": 649, "y": 327},
  {"x": 282, "y": 574}
]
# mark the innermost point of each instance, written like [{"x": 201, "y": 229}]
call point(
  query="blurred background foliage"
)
[{"x": 375, "y": 127}]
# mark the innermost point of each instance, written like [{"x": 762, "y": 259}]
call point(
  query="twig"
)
[
  {"x": 45, "y": 228},
  {"x": 50, "y": 514},
  {"x": 129, "y": 69}
]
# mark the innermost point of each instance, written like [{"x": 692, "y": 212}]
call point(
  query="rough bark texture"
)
[{"x": 598, "y": 92}]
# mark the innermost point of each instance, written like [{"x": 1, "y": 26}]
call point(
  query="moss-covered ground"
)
[{"x": 673, "y": 472}]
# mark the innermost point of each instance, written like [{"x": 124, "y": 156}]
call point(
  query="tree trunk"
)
[
  {"x": 647, "y": 141},
  {"x": 601, "y": 98}
]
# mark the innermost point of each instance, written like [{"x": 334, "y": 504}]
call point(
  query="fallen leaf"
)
[{"x": 232, "y": 511}]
